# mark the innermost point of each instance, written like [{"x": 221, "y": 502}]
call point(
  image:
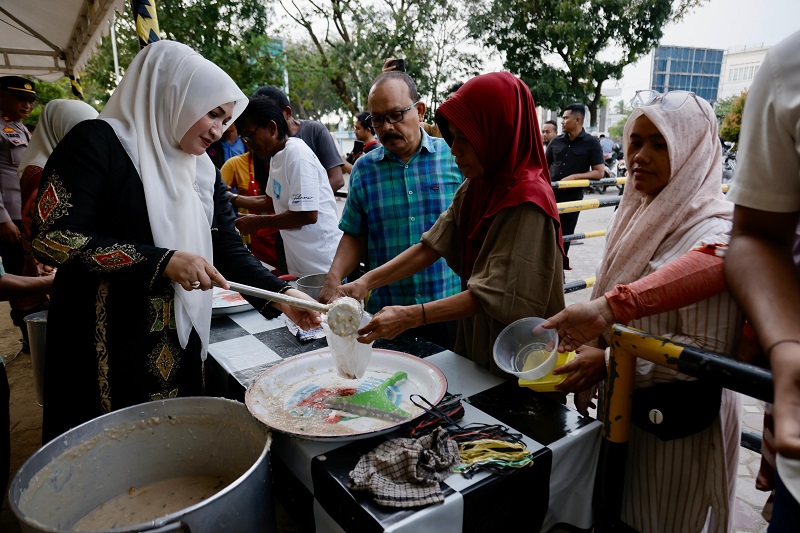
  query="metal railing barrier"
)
[{"x": 626, "y": 345}]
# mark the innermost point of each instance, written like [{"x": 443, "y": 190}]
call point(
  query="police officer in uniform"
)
[{"x": 17, "y": 99}]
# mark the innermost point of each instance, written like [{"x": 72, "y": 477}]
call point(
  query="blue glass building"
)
[{"x": 687, "y": 69}]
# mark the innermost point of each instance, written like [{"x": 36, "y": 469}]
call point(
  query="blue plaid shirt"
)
[{"x": 393, "y": 204}]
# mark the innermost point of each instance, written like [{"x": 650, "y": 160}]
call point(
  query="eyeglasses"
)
[
  {"x": 670, "y": 101},
  {"x": 249, "y": 137},
  {"x": 392, "y": 117}
]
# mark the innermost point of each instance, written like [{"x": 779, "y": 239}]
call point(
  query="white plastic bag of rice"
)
[{"x": 351, "y": 357}]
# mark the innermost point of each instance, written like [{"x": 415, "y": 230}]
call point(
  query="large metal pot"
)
[
  {"x": 312, "y": 284},
  {"x": 139, "y": 445}
]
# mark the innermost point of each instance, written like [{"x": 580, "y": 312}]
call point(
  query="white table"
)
[{"x": 310, "y": 476}]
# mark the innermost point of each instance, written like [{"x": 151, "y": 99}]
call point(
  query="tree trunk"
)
[{"x": 594, "y": 103}]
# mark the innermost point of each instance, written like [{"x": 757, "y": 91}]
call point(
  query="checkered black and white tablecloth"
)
[{"x": 310, "y": 477}]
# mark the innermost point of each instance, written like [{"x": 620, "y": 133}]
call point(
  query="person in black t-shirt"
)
[{"x": 573, "y": 155}]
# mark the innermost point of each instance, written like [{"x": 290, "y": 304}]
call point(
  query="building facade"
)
[
  {"x": 678, "y": 68},
  {"x": 739, "y": 67}
]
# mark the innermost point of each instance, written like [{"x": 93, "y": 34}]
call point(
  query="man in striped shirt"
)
[{"x": 397, "y": 192}]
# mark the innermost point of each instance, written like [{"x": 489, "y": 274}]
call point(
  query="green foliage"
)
[
  {"x": 46, "y": 92},
  {"x": 231, "y": 33},
  {"x": 618, "y": 129},
  {"x": 346, "y": 44},
  {"x": 562, "y": 48},
  {"x": 722, "y": 107},
  {"x": 309, "y": 82},
  {"x": 732, "y": 122}
]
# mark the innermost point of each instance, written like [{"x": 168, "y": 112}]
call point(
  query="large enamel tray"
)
[{"x": 288, "y": 396}]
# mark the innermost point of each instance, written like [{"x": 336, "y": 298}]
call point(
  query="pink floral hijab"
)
[{"x": 645, "y": 227}]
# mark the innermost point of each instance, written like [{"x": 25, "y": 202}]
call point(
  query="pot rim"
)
[{"x": 61, "y": 447}]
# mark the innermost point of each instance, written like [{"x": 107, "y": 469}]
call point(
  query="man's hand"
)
[
  {"x": 247, "y": 224},
  {"x": 785, "y": 362},
  {"x": 329, "y": 289},
  {"x": 580, "y": 323},
  {"x": 304, "y": 318},
  {"x": 388, "y": 66},
  {"x": 9, "y": 232},
  {"x": 356, "y": 289}
]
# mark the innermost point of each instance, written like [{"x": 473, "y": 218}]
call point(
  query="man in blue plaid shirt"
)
[{"x": 397, "y": 192}]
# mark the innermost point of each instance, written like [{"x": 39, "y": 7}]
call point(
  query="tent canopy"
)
[{"x": 50, "y": 39}]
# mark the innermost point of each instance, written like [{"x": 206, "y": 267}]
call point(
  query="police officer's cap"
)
[{"x": 18, "y": 86}]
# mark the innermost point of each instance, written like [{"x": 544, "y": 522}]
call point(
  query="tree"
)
[
  {"x": 351, "y": 41},
  {"x": 561, "y": 48},
  {"x": 732, "y": 122},
  {"x": 722, "y": 107},
  {"x": 230, "y": 33},
  {"x": 309, "y": 82},
  {"x": 616, "y": 131}
]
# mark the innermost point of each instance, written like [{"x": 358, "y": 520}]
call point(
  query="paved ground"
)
[{"x": 26, "y": 415}]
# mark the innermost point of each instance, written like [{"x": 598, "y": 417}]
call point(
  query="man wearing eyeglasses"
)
[
  {"x": 573, "y": 155},
  {"x": 17, "y": 100},
  {"x": 397, "y": 192}
]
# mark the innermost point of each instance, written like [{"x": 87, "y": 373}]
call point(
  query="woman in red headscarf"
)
[{"x": 501, "y": 234}]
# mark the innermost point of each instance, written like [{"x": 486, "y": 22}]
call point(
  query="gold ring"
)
[
  {"x": 568, "y": 336},
  {"x": 195, "y": 284}
]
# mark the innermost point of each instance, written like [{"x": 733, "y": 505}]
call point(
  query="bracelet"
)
[
  {"x": 284, "y": 288},
  {"x": 774, "y": 344},
  {"x": 232, "y": 199},
  {"x": 424, "y": 318}
]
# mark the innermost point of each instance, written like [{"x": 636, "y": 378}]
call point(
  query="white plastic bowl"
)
[{"x": 523, "y": 353}]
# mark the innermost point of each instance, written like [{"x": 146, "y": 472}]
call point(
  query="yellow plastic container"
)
[{"x": 549, "y": 382}]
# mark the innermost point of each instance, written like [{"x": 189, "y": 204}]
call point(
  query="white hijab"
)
[
  {"x": 167, "y": 88},
  {"x": 645, "y": 227},
  {"x": 57, "y": 118}
]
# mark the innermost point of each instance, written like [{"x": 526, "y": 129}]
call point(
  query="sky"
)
[{"x": 720, "y": 24}]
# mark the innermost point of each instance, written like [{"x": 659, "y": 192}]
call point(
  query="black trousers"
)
[
  {"x": 568, "y": 223},
  {"x": 568, "y": 220}
]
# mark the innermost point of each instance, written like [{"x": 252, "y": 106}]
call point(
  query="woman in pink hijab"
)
[{"x": 677, "y": 479}]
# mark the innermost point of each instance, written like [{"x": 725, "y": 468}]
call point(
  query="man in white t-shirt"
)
[
  {"x": 302, "y": 198},
  {"x": 760, "y": 266}
]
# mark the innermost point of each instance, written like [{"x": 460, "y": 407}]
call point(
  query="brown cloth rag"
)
[{"x": 407, "y": 472}]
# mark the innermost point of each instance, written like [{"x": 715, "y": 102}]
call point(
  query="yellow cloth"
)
[{"x": 236, "y": 172}]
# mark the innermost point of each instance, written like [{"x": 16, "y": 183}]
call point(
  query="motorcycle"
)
[
  {"x": 728, "y": 165},
  {"x": 622, "y": 168},
  {"x": 612, "y": 169}
]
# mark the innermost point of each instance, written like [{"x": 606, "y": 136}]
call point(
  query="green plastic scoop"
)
[{"x": 372, "y": 403}]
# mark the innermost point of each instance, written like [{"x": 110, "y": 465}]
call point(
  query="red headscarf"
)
[{"x": 496, "y": 114}]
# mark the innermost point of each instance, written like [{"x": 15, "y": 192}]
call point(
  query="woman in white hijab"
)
[
  {"x": 132, "y": 212},
  {"x": 57, "y": 118},
  {"x": 679, "y": 477}
]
